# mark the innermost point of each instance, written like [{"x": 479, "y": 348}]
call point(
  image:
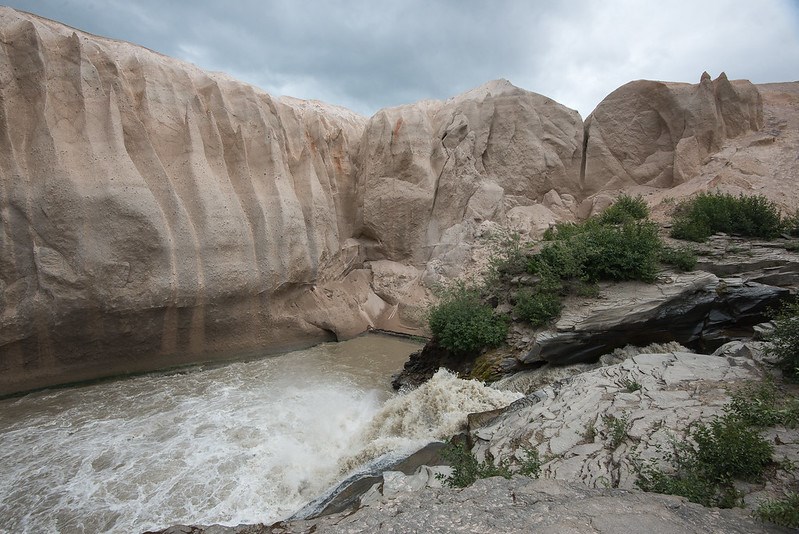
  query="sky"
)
[{"x": 366, "y": 55}]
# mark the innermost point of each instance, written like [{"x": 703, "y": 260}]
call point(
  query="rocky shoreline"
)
[
  {"x": 587, "y": 480},
  {"x": 570, "y": 413}
]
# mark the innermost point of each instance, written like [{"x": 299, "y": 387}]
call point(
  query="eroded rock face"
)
[
  {"x": 576, "y": 423},
  {"x": 152, "y": 212},
  {"x": 426, "y": 167},
  {"x": 659, "y": 134}
]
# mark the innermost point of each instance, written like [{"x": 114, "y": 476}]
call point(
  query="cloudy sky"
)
[{"x": 370, "y": 54}]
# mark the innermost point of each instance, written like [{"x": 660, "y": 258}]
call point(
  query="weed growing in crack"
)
[{"x": 617, "y": 428}]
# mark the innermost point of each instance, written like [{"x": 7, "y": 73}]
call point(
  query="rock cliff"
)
[
  {"x": 427, "y": 167},
  {"x": 153, "y": 214}
]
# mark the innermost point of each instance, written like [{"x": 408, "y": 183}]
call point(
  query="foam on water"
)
[{"x": 246, "y": 442}]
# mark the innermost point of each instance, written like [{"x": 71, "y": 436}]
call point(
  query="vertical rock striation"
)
[{"x": 152, "y": 212}]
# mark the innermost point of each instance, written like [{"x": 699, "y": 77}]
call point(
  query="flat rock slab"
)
[{"x": 520, "y": 505}]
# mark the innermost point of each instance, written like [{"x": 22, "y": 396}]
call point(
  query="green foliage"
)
[
  {"x": 683, "y": 258},
  {"x": 783, "y": 512},
  {"x": 785, "y": 340},
  {"x": 625, "y": 209},
  {"x": 728, "y": 449},
  {"x": 589, "y": 434},
  {"x": 537, "y": 307},
  {"x": 791, "y": 224},
  {"x": 466, "y": 469},
  {"x": 531, "y": 465},
  {"x": 705, "y": 466},
  {"x": 698, "y": 218},
  {"x": 463, "y": 324},
  {"x": 617, "y": 428},
  {"x": 631, "y": 386},
  {"x": 762, "y": 405},
  {"x": 508, "y": 257},
  {"x": 594, "y": 251}
]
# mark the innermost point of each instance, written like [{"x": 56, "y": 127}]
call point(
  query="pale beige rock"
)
[
  {"x": 634, "y": 134},
  {"x": 590, "y": 429},
  {"x": 153, "y": 213},
  {"x": 531, "y": 221},
  {"x": 428, "y": 166}
]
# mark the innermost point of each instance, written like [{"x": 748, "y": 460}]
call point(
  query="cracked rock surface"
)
[
  {"x": 520, "y": 505},
  {"x": 590, "y": 428}
]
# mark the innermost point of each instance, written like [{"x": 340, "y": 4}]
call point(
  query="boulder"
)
[
  {"x": 659, "y": 134},
  {"x": 428, "y": 166}
]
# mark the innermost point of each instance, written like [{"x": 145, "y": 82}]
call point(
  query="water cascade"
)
[{"x": 248, "y": 442}]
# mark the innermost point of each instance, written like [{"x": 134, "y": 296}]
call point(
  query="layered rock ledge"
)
[{"x": 520, "y": 505}]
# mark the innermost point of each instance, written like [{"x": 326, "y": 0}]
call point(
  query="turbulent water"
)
[{"x": 244, "y": 442}]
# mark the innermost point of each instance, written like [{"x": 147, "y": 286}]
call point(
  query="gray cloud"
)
[{"x": 366, "y": 55}]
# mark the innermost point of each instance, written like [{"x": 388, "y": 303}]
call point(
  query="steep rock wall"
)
[
  {"x": 153, "y": 212},
  {"x": 426, "y": 167}
]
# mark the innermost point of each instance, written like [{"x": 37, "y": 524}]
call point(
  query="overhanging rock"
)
[{"x": 696, "y": 309}]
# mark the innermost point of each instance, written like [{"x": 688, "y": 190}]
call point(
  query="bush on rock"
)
[{"x": 463, "y": 324}]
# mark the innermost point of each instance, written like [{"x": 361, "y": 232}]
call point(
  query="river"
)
[{"x": 245, "y": 442}]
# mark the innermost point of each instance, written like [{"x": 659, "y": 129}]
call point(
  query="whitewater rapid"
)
[{"x": 245, "y": 442}]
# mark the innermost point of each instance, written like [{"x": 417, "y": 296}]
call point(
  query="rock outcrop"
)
[
  {"x": 593, "y": 428},
  {"x": 659, "y": 134},
  {"x": 696, "y": 309},
  {"x": 426, "y": 167},
  {"x": 519, "y": 505}
]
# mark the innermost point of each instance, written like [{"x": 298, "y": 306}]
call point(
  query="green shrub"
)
[
  {"x": 628, "y": 252},
  {"x": 785, "y": 340},
  {"x": 683, "y": 258},
  {"x": 791, "y": 224},
  {"x": 593, "y": 251},
  {"x": 466, "y": 469},
  {"x": 463, "y": 324},
  {"x": 531, "y": 465},
  {"x": 624, "y": 209},
  {"x": 508, "y": 256},
  {"x": 617, "y": 428},
  {"x": 762, "y": 405},
  {"x": 783, "y": 512},
  {"x": 705, "y": 466},
  {"x": 728, "y": 449},
  {"x": 631, "y": 386},
  {"x": 537, "y": 307},
  {"x": 698, "y": 218}
]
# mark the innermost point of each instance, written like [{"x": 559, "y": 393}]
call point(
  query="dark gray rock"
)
[{"x": 696, "y": 309}]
